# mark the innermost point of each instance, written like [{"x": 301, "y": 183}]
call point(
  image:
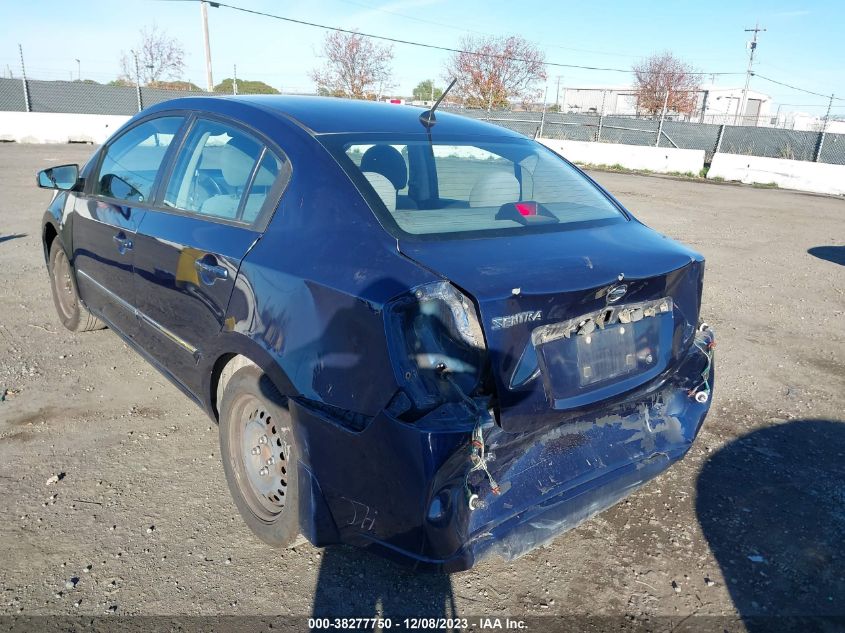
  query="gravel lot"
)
[{"x": 141, "y": 522}]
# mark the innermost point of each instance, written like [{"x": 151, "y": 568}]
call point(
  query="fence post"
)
[
  {"x": 662, "y": 116},
  {"x": 719, "y": 139},
  {"x": 823, "y": 132},
  {"x": 543, "y": 116},
  {"x": 138, "y": 82},
  {"x": 26, "y": 102},
  {"x": 601, "y": 116}
]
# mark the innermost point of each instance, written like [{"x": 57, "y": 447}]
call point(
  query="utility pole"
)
[
  {"x": 204, "y": 13},
  {"x": 752, "y": 47},
  {"x": 78, "y": 70},
  {"x": 235, "y": 80}
]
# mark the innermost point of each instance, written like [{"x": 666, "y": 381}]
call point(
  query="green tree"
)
[
  {"x": 427, "y": 91},
  {"x": 245, "y": 87},
  {"x": 175, "y": 85}
]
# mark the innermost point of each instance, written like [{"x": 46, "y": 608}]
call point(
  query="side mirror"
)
[{"x": 63, "y": 177}]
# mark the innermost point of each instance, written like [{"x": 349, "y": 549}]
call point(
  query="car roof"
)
[{"x": 331, "y": 115}]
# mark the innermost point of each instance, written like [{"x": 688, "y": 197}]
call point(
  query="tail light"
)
[{"x": 436, "y": 344}]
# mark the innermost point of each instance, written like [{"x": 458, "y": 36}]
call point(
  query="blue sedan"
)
[{"x": 427, "y": 336}]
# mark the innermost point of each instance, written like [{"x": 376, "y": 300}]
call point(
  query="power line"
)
[
  {"x": 486, "y": 33},
  {"x": 809, "y": 92},
  {"x": 396, "y": 40}
]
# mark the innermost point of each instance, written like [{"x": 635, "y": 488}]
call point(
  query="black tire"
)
[
  {"x": 255, "y": 426},
  {"x": 73, "y": 315}
]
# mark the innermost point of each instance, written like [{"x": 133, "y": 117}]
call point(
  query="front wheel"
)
[
  {"x": 73, "y": 315},
  {"x": 259, "y": 456}
]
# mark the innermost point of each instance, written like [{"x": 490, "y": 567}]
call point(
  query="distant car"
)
[{"x": 432, "y": 339}]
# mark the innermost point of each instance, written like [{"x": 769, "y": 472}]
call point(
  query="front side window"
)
[
  {"x": 454, "y": 186},
  {"x": 222, "y": 172},
  {"x": 131, "y": 162}
]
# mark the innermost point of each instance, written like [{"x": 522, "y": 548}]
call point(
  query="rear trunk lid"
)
[{"x": 572, "y": 317}]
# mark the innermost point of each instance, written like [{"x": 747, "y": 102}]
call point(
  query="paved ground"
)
[{"x": 752, "y": 522}]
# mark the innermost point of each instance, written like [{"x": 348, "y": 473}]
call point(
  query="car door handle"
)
[
  {"x": 123, "y": 243},
  {"x": 210, "y": 272}
]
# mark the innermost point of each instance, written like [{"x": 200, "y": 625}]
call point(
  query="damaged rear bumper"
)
[{"x": 402, "y": 490}]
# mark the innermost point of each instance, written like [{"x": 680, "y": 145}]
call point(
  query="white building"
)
[
  {"x": 806, "y": 122},
  {"x": 715, "y": 104},
  {"x": 721, "y": 105}
]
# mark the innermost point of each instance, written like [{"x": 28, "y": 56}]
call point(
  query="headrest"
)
[
  {"x": 235, "y": 165},
  {"x": 494, "y": 190},
  {"x": 387, "y": 161},
  {"x": 384, "y": 189}
]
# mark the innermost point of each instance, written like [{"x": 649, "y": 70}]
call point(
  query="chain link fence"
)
[
  {"x": 752, "y": 141},
  {"x": 80, "y": 97},
  {"x": 604, "y": 116}
]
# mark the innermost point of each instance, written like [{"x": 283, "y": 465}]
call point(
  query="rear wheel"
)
[
  {"x": 259, "y": 456},
  {"x": 73, "y": 315}
]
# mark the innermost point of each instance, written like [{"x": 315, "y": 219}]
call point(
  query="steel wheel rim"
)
[
  {"x": 259, "y": 452},
  {"x": 63, "y": 285}
]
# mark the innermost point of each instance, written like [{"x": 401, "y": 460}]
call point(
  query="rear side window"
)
[
  {"x": 222, "y": 172},
  {"x": 131, "y": 162},
  {"x": 269, "y": 170}
]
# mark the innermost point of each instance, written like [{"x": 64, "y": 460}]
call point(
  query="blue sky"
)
[{"x": 802, "y": 46}]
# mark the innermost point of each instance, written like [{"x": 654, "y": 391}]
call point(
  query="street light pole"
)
[
  {"x": 78, "y": 70},
  {"x": 204, "y": 13}
]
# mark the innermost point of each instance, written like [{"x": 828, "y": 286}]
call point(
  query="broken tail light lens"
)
[{"x": 436, "y": 344}]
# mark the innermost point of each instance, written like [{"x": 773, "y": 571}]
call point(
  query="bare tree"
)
[
  {"x": 355, "y": 67},
  {"x": 663, "y": 74},
  {"x": 160, "y": 57},
  {"x": 491, "y": 71}
]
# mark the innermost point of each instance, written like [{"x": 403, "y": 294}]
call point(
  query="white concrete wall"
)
[
  {"x": 788, "y": 174},
  {"x": 657, "y": 159},
  {"x": 51, "y": 127}
]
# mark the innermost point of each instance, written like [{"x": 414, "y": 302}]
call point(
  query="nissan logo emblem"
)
[{"x": 616, "y": 293}]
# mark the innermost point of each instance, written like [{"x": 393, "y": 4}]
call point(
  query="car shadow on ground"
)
[
  {"x": 835, "y": 254},
  {"x": 772, "y": 507},
  {"x": 356, "y": 583}
]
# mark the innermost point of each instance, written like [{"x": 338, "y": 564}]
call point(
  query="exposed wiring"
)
[
  {"x": 703, "y": 387},
  {"x": 477, "y": 449},
  {"x": 478, "y": 458}
]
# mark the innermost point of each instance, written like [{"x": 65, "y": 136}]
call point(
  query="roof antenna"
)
[{"x": 427, "y": 118}]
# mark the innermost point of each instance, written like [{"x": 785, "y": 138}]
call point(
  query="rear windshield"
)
[{"x": 458, "y": 186}]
